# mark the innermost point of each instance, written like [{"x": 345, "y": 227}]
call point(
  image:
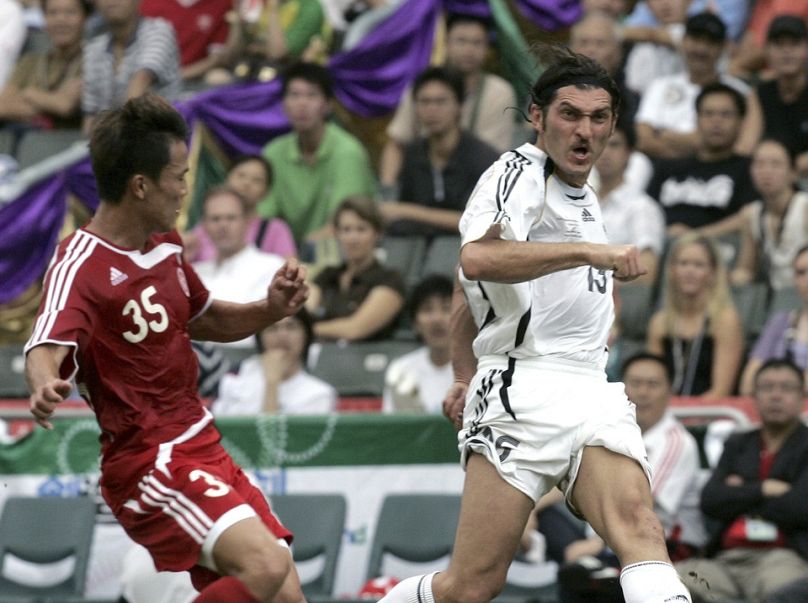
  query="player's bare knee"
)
[
  {"x": 634, "y": 523},
  {"x": 264, "y": 572}
]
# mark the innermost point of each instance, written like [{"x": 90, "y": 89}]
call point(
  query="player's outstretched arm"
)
[
  {"x": 229, "y": 321},
  {"x": 496, "y": 260},
  {"x": 47, "y": 388}
]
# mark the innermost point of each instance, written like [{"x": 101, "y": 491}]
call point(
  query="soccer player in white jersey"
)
[{"x": 537, "y": 274}]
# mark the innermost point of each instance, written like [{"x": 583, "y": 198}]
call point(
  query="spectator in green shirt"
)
[{"x": 316, "y": 165}]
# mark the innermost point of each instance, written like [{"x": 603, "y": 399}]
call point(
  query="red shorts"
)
[{"x": 179, "y": 508}]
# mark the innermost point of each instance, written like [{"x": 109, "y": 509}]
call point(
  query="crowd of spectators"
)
[{"x": 704, "y": 174}]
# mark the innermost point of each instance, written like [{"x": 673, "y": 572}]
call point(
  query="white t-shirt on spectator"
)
[
  {"x": 301, "y": 394},
  {"x": 670, "y": 102},
  {"x": 633, "y": 218},
  {"x": 647, "y": 61},
  {"x": 413, "y": 380}
]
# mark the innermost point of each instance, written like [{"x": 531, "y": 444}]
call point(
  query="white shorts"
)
[{"x": 532, "y": 418}]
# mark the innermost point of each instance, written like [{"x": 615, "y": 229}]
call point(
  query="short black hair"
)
[
  {"x": 461, "y": 19},
  {"x": 648, "y": 356},
  {"x": 242, "y": 159},
  {"x": 451, "y": 79},
  {"x": 133, "y": 139},
  {"x": 567, "y": 68},
  {"x": 781, "y": 363},
  {"x": 433, "y": 285},
  {"x": 792, "y": 155},
  {"x": 721, "y": 88},
  {"x": 304, "y": 317},
  {"x": 311, "y": 73}
]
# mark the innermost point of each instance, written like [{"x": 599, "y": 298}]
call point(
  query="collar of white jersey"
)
[{"x": 534, "y": 153}]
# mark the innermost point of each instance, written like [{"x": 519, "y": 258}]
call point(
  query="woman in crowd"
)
[
  {"x": 785, "y": 334},
  {"x": 275, "y": 381},
  {"x": 777, "y": 225},
  {"x": 250, "y": 176},
  {"x": 698, "y": 329},
  {"x": 359, "y": 299},
  {"x": 45, "y": 89}
]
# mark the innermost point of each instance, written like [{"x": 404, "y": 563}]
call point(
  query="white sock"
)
[
  {"x": 417, "y": 589},
  {"x": 653, "y": 582}
]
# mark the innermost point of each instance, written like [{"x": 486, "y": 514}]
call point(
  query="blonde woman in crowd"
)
[{"x": 697, "y": 329}]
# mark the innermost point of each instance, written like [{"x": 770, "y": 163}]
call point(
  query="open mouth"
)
[{"x": 580, "y": 152}]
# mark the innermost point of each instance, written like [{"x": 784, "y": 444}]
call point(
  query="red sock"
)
[{"x": 227, "y": 589}]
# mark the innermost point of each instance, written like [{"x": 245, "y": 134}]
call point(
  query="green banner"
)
[{"x": 259, "y": 442}]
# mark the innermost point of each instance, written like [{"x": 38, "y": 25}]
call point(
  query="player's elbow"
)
[{"x": 473, "y": 261}]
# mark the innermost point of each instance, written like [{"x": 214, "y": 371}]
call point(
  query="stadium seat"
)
[
  {"x": 52, "y": 532},
  {"x": 635, "y": 310},
  {"x": 417, "y": 528},
  {"x": 783, "y": 300},
  {"x": 357, "y": 369},
  {"x": 405, "y": 254},
  {"x": 317, "y": 521},
  {"x": 38, "y": 145},
  {"x": 750, "y": 301},
  {"x": 12, "y": 372},
  {"x": 6, "y": 142},
  {"x": 442, "y": 256}
]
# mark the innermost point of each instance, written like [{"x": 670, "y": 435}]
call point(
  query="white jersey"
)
[{"x": 564, "y": 315}]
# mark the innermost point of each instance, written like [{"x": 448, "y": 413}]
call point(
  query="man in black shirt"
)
[
  {"x": 707, "y": 190},
  {"x": 440, "y": 169},
  {"x": 783, "y": 101}
]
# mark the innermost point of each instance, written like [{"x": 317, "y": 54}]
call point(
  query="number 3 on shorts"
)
[{"x": 217, "y": 487}]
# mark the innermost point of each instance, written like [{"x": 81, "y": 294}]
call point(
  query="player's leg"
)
[
  {"x": 248, "y": 551},
  {"x": 492, "y": 517},
  {"x": 612, "y": 492}
]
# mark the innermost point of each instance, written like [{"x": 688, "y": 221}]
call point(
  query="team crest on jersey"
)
[
  {"x": 116, "y": 277},
  {"x": 183, "y": 282}
]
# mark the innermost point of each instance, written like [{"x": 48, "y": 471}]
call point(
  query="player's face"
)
[
  {"x": 718, "y": 122},
  {"x": 64, "y": 22},
  {"x": 596, "y": 39},
  {"x": 432, "y": 322},
  {"x": 287, "y": 335},
  {"x": 574, "y": 130},
  {"x": 779, "y": 397},
  {"x": 250, "y": 180},
  {"x": 771, "y": 169},
  {"x": 225, "y": 223},
  {"x": 163, "y": 199},
  {"x": 305, "y": 105},
  {"x": 693, "y": 272},
  {"x": 466, "y": 47},
  {"x": 437, "y": 108},
  {"x": 801, "y": 275},
  {"x": 787, "y": 56},
  {"x": 614, "y": 159},
  {"x": 357, "y": 237},
  {"x": 648, "y": 387}
]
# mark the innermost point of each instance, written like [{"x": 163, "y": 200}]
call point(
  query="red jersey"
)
[
  {"x": 125, "y": 313},
  {"x": 199, "y": 24}
]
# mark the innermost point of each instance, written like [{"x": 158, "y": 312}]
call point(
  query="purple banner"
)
[{"x": 29, "y": 228}]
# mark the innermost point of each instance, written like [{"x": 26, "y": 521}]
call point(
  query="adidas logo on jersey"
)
[
  {"x": 586, "y": 216},
  {"x": 116, "y": 277}
]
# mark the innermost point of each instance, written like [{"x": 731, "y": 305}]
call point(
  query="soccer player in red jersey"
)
[{"x": 118, "y": 313}]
